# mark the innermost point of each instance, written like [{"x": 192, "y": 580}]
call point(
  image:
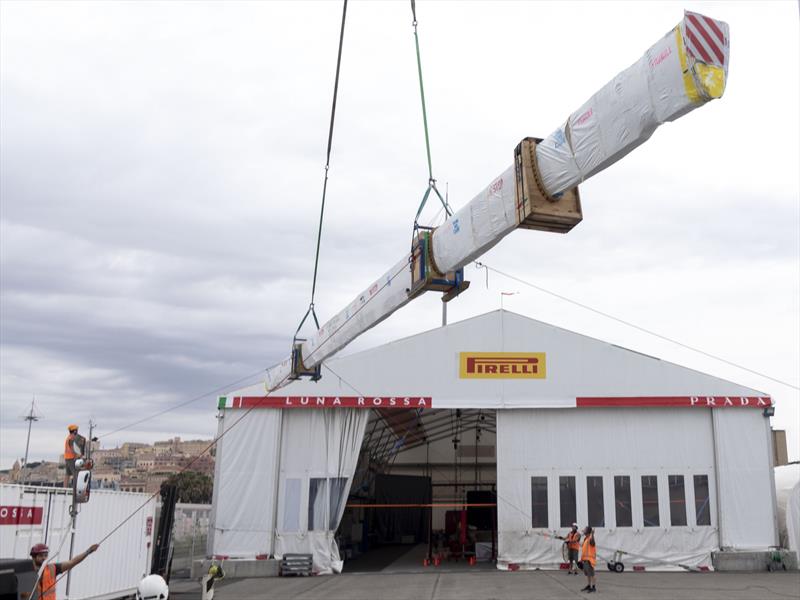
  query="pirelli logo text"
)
[{"x": 502, "y": 365}]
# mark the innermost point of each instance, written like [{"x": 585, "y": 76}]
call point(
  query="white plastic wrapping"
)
[
  {"x": 369, "y": 308},
  {"x": 630, "y": 107},
  {"x": 478, "y": 226}
]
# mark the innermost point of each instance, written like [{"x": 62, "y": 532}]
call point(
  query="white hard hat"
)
[
  {"x": 574, "y": 524},
  {"x": 152, "y": 587},
  {"x": 79, "y": 462}
]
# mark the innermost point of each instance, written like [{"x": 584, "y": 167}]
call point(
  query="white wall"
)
[
  {"x": 606, "y": 443},
  {"x": 121, "y": 561},
  {"x": 747, "y": 487},
  {"x": 636, "y": 442}
]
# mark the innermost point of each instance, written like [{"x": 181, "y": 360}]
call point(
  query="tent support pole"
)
[
  {"x": 277, "y": 486},
  {"x": 717, "y": 474}
]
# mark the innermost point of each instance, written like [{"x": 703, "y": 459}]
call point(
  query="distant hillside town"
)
[{"x": 132, "y": 467}]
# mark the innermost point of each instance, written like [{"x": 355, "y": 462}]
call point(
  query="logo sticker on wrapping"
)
[
  {"x": 559, "y": 138},
  {"x": 502, "y": 365},
  {"x": 456, "y": 226}
]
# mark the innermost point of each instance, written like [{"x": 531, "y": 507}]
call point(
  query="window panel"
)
[
  {"x": 622, "y": 500},
  {"x": 291, "y": 505},
  {"x": 339, "y": 491},
  {"x": 650, "y": 501},
  {"x": 317, "y": 503},
  {"x": 567, "y": 500},
  {"x": 594, "y": 501},
  {"x": 539, "y": 502},
  {"x": 702, "y": 507},
  {"x": 677, "y": 501}
]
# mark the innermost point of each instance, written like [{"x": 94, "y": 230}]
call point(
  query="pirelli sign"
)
[{"x": 502, "y": 365}]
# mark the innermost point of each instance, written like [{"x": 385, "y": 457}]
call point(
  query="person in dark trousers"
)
[
  {"x": 589, "y": 558},
  {"x": 46, "y": 585},
  {"x": 573, "y": 542},
  {"x": 74, "y": 448}
]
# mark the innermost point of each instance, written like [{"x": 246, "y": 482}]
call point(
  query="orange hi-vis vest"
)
[
  {"x": 47, "y": 583},
  {"x": 69, "y": 451},
  {"x": 589, "y": 552},
  {"x": 572, "y": 540}
]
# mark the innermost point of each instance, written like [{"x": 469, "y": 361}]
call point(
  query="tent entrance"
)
[{"x": 423, "y": 494}]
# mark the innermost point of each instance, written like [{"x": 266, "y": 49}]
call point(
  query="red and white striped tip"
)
[{"x": 706, "y": 39}]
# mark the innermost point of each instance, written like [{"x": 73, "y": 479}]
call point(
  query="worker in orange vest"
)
[
  {"x": 572, "y": 541},
  {"x": 74, "y": 446},
  {"x": 48, "y": 578},
  {"x": 589, "y": 558}
]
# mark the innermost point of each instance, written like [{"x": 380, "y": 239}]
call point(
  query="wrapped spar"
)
[{"x": 685, "y": 69}]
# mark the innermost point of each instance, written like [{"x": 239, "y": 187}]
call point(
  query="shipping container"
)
[{"x": 32, "y": 514}]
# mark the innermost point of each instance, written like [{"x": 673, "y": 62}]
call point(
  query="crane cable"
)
[
  {"x": 310, "y": 310},
  {"x": 431, "y": 180}
]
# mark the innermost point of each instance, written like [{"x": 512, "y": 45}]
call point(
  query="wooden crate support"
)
[
  {"x": 535, "y": 208},
  {"x": 425, "y": 276}
]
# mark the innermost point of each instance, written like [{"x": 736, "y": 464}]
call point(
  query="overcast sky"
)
[{"x": 161, "y": 171}]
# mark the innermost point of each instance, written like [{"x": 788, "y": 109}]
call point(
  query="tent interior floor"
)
[{"x": 406, "y": 559}]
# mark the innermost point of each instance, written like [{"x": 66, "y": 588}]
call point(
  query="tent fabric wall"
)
[
  {"x": 567, "y": 443},
  {"x": 245, "y": 480},
  {"x": 787, "y": 487},
  {"x": 276, "y": 459},
  {"x": 746, "y": 489},
  {"x": 317, "y": 446}
]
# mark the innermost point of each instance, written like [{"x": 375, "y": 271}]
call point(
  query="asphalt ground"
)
[{"x": 501, "y": 585}]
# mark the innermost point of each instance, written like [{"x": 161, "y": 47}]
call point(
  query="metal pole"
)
[
  {"x": 30, "y": 418},
  {"x": 444, "y": 314},
  {"x": 717, "y": 475},
  {"x": 92, "y": 425},
  {"x": 72, "y": 539}
]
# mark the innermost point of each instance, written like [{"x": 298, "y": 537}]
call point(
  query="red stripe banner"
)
[
  {"x": 407, "y": 402},
  {"x": 690, "y": 401}
]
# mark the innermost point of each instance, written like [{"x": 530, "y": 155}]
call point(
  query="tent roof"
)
[{"x": 572, "y": 369}]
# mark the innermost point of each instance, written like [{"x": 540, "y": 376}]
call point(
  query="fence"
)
[{"x": 189, "y": 536}]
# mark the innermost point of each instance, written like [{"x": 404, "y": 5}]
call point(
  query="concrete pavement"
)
[{"x": 498, "y": 585}]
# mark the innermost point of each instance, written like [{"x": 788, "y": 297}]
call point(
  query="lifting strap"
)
[
  {"x": 325, "y": 183},
  {"x": 431, "y": 180}
]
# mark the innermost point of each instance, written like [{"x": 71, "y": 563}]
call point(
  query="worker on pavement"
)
[
  {"x": 74, "y": 446},
  {"x": 572, "y": 540},
  {"x": 589, "y": 558},
  {"x": 48, "y": 575}
]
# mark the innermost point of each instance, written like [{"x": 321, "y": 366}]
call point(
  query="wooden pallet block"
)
[{"x": 535, "y": 209}]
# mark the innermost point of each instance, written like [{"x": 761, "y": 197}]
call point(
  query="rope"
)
[
  {"x": 431, "y": 180},
  {"x": 325, "y": 182},
  {"x": 481, "y": 265}
]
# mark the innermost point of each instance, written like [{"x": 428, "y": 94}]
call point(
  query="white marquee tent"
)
[{"x": 667, "y": 462}]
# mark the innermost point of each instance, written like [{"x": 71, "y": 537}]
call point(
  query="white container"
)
[{"x": 42, "y": 515}]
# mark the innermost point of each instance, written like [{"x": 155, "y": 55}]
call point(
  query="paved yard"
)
[{"x": 497, "y": 585}]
